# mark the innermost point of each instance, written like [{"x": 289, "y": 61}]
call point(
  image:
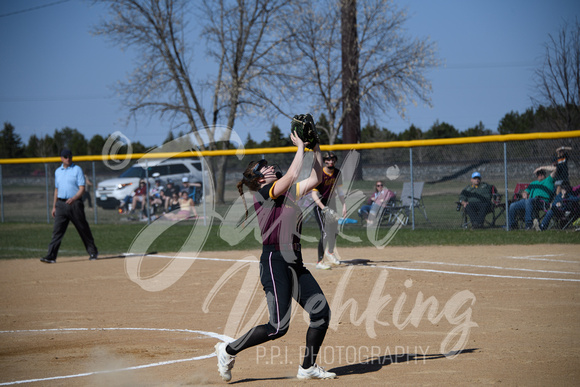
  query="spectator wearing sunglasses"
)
[
  {"x": 476, "y": 200},
  {"x": 375, "y": 202}
]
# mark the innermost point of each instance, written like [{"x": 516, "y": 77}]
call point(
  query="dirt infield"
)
[{"x": 510, "y": 313}]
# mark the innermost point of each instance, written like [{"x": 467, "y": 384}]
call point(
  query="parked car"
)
[{"x": 111, "y": 192}]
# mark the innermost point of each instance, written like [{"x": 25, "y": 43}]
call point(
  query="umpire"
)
[{"x": 69, "y": 181}]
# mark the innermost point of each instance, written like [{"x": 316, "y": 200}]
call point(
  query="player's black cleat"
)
[{"x": 48, "y": 260}]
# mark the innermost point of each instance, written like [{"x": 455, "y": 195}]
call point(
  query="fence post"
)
[
  {"x": 1, "y": 196},
  {"x": 46, "y": 187},
  {"x": 147, "y": 204},
  {"x": 203, "y": 187},
  {"x": 412, "y": 189},
  {"x": 95, "y": 194},
  {"x": 507, "y": 223}
]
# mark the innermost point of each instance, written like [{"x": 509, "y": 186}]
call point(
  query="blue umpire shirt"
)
[{"x": 68, "y": 180}]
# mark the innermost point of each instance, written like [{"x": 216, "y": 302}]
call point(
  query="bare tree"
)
[
  {"x": 240, "y": 40},
  {"x": 391, "y": 66},
  {"x": 558, "y": 79},
  {"x": 350, "y": 90}
]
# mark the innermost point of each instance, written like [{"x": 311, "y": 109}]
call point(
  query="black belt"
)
[
  {"x": 62, "y": 200},
  {"x": 283, "y": 247}
]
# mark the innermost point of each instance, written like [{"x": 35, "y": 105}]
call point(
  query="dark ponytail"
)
[{"x": 251, "y": 181}]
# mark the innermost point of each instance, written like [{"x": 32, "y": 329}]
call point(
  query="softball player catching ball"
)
[{"x": 282, "y": 272}]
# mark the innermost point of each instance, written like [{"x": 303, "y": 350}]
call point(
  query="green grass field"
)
[
  {"x": 24, "y": 240},
  {"x": 27, "y": 229}
]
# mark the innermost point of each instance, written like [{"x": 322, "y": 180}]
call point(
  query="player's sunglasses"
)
[
  {"x": 258, "y": 167},
  {"x": 379, "y": 185}
]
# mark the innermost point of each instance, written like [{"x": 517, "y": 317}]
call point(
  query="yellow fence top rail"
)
[{"x": 289, "y": 149}]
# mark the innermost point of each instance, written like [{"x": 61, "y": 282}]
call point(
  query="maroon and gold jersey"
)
[
  {"x": 327, "y": 186},
  {"x": 280, "y": 218}
]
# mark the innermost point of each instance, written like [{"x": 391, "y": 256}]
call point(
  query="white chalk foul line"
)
[
  {"x": 479, "y": 275},
  {"x": 407, "y": 269},
  {"x": 209, "y": 334},
  {"x": 539, "y": 258},
  {"x": 498, "y": 267}
]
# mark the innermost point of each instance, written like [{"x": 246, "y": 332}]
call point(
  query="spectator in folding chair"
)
[
  {"x": 566, "y": 200},
  {"x": 155, "y": 194},
  {"x": 534, "y": 198},
  {"x": 190, "y": 188},
  {"x": 476, "y": 200},
  {"x": 167, "y": 193},
  {"x": 376, "y": 203},
  {"x": 186, "y": 208},
  {"x": 137, "y": 197}
]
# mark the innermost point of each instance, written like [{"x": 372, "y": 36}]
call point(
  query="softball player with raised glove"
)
[{"x": 282, "y": 271}]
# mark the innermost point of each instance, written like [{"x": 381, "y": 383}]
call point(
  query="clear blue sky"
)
[{"x": 54, "y": 73}]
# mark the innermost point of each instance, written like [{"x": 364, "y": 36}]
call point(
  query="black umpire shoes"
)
[
  {"x": 93, "y": 257},
  {"x": 48, "y": 260}
]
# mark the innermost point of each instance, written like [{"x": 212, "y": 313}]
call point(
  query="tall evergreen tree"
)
[{"x": 10, "y": 142}]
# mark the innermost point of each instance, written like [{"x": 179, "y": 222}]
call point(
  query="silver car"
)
[{"x": 111, "y": 192}]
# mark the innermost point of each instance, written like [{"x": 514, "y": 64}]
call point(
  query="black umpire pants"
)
[{"x": 74, "y": 213}]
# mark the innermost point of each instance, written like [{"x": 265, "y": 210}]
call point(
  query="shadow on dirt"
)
[
  {"x": 372, "y": 365},
  {"x": 375, "y": 364}
]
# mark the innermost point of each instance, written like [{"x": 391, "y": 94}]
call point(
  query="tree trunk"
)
[
  {"x": 351, "y": 130},
  {"x": 220, "y": 177}
]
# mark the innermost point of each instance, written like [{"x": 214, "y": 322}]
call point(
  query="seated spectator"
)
[
  {"x": 173, "y": 203},
  {"x": 476, "y": 200},
  {"x": 533, "y": 198},
  {"x": 378, "y": 200},
  {"x": 564, "y": 201},
  {"x": 155, "y": 193},
  {"x": 130, "y": 201},
  {"x": 139, "y": 196},
  {"x": 168, "y": 192},
  {"x": 186, "y": 208},
  {"x": 190, "y": 188}
]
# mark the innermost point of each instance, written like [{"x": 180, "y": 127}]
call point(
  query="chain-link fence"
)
[{"x": 26, "y": 189}]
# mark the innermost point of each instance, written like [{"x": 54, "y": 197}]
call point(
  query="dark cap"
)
[
  {"x": 329, "y": 155},
  {"x": 66, "y": 153}
]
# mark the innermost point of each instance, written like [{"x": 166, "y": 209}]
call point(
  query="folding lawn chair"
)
[
  {"x": 520, "y": 187},
  {"x": 496, "y": 209},
  {"x": 564, "y": 219},
  {"x": 410, "y": 200},
  {"x": 541, "y": 209}
]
